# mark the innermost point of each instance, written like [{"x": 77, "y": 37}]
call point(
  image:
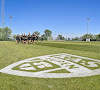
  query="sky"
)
[{"x": 64, "y": 17}]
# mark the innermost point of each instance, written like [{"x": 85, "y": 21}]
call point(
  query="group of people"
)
[{"x": 28, "y": 38}]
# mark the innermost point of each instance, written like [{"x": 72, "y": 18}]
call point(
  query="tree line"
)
[
  {"x": 90, "y": 36},
  {"x": 5, "y": 35}
]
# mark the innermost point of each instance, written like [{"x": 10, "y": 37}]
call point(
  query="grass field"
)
[{"x": 10, "y": 53}]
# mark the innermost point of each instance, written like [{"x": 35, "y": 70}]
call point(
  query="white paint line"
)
[{"x": 75, "y": 70}]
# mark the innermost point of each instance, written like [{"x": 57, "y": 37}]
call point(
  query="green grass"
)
[{"x": 10, "y": 53}]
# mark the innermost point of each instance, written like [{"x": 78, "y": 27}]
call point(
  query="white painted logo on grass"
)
[{"x": 55, "y": 66}]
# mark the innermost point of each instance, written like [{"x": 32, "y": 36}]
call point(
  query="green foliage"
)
[
  {"x": 1, "y": 32},
  {"x": 45, "y": 38},
  {"x": 36, "y": 32},
  {"x": 60, "y": 37},
  {"x": 48, "y": 33},
  {"x": 5, "y": 34},
  {"x": 84, "y": 37},
  {"x": 98, "y": 37},
  {"x": 91, "y": 37},
  {"x": 76, "y": 38}
]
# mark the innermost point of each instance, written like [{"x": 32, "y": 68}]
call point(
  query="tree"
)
[
  {"x": 85, "y": 37},
  {"x": 1, "y": 32},
  {"x": 60, "y": 37},
  {"x": 48, "y": 33},
  {"x": 76, "y": 38},
  {"x": 98, "y": 37},
  {"x": 5, "y": 33},
  {"x": 36, "y": 32}
]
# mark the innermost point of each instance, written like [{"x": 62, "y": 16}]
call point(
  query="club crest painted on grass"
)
[{"x": 55, "y": 66}]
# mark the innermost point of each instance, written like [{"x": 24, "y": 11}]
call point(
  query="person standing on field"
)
[
  {"x": 33, "y": 38},
  {"x": 42, "y": 38},
  {"x": 37, "y": 37},
  {"x": 17, "y": 39},
  {"x": 29, "y": 38},
  {"x": 22, "y": 39}
]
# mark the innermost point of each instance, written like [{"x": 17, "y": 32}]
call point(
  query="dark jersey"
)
[
  {"x": 29, "y": 37},
  {"x": 26, "y": 38},
  {"x": 37, "y": 37},
  {"x": 42, "y": 38},
  {"x": 17, "y": 37},
  {"x": 33, "y": 37},
  {"x": 22, "y": 37}
]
